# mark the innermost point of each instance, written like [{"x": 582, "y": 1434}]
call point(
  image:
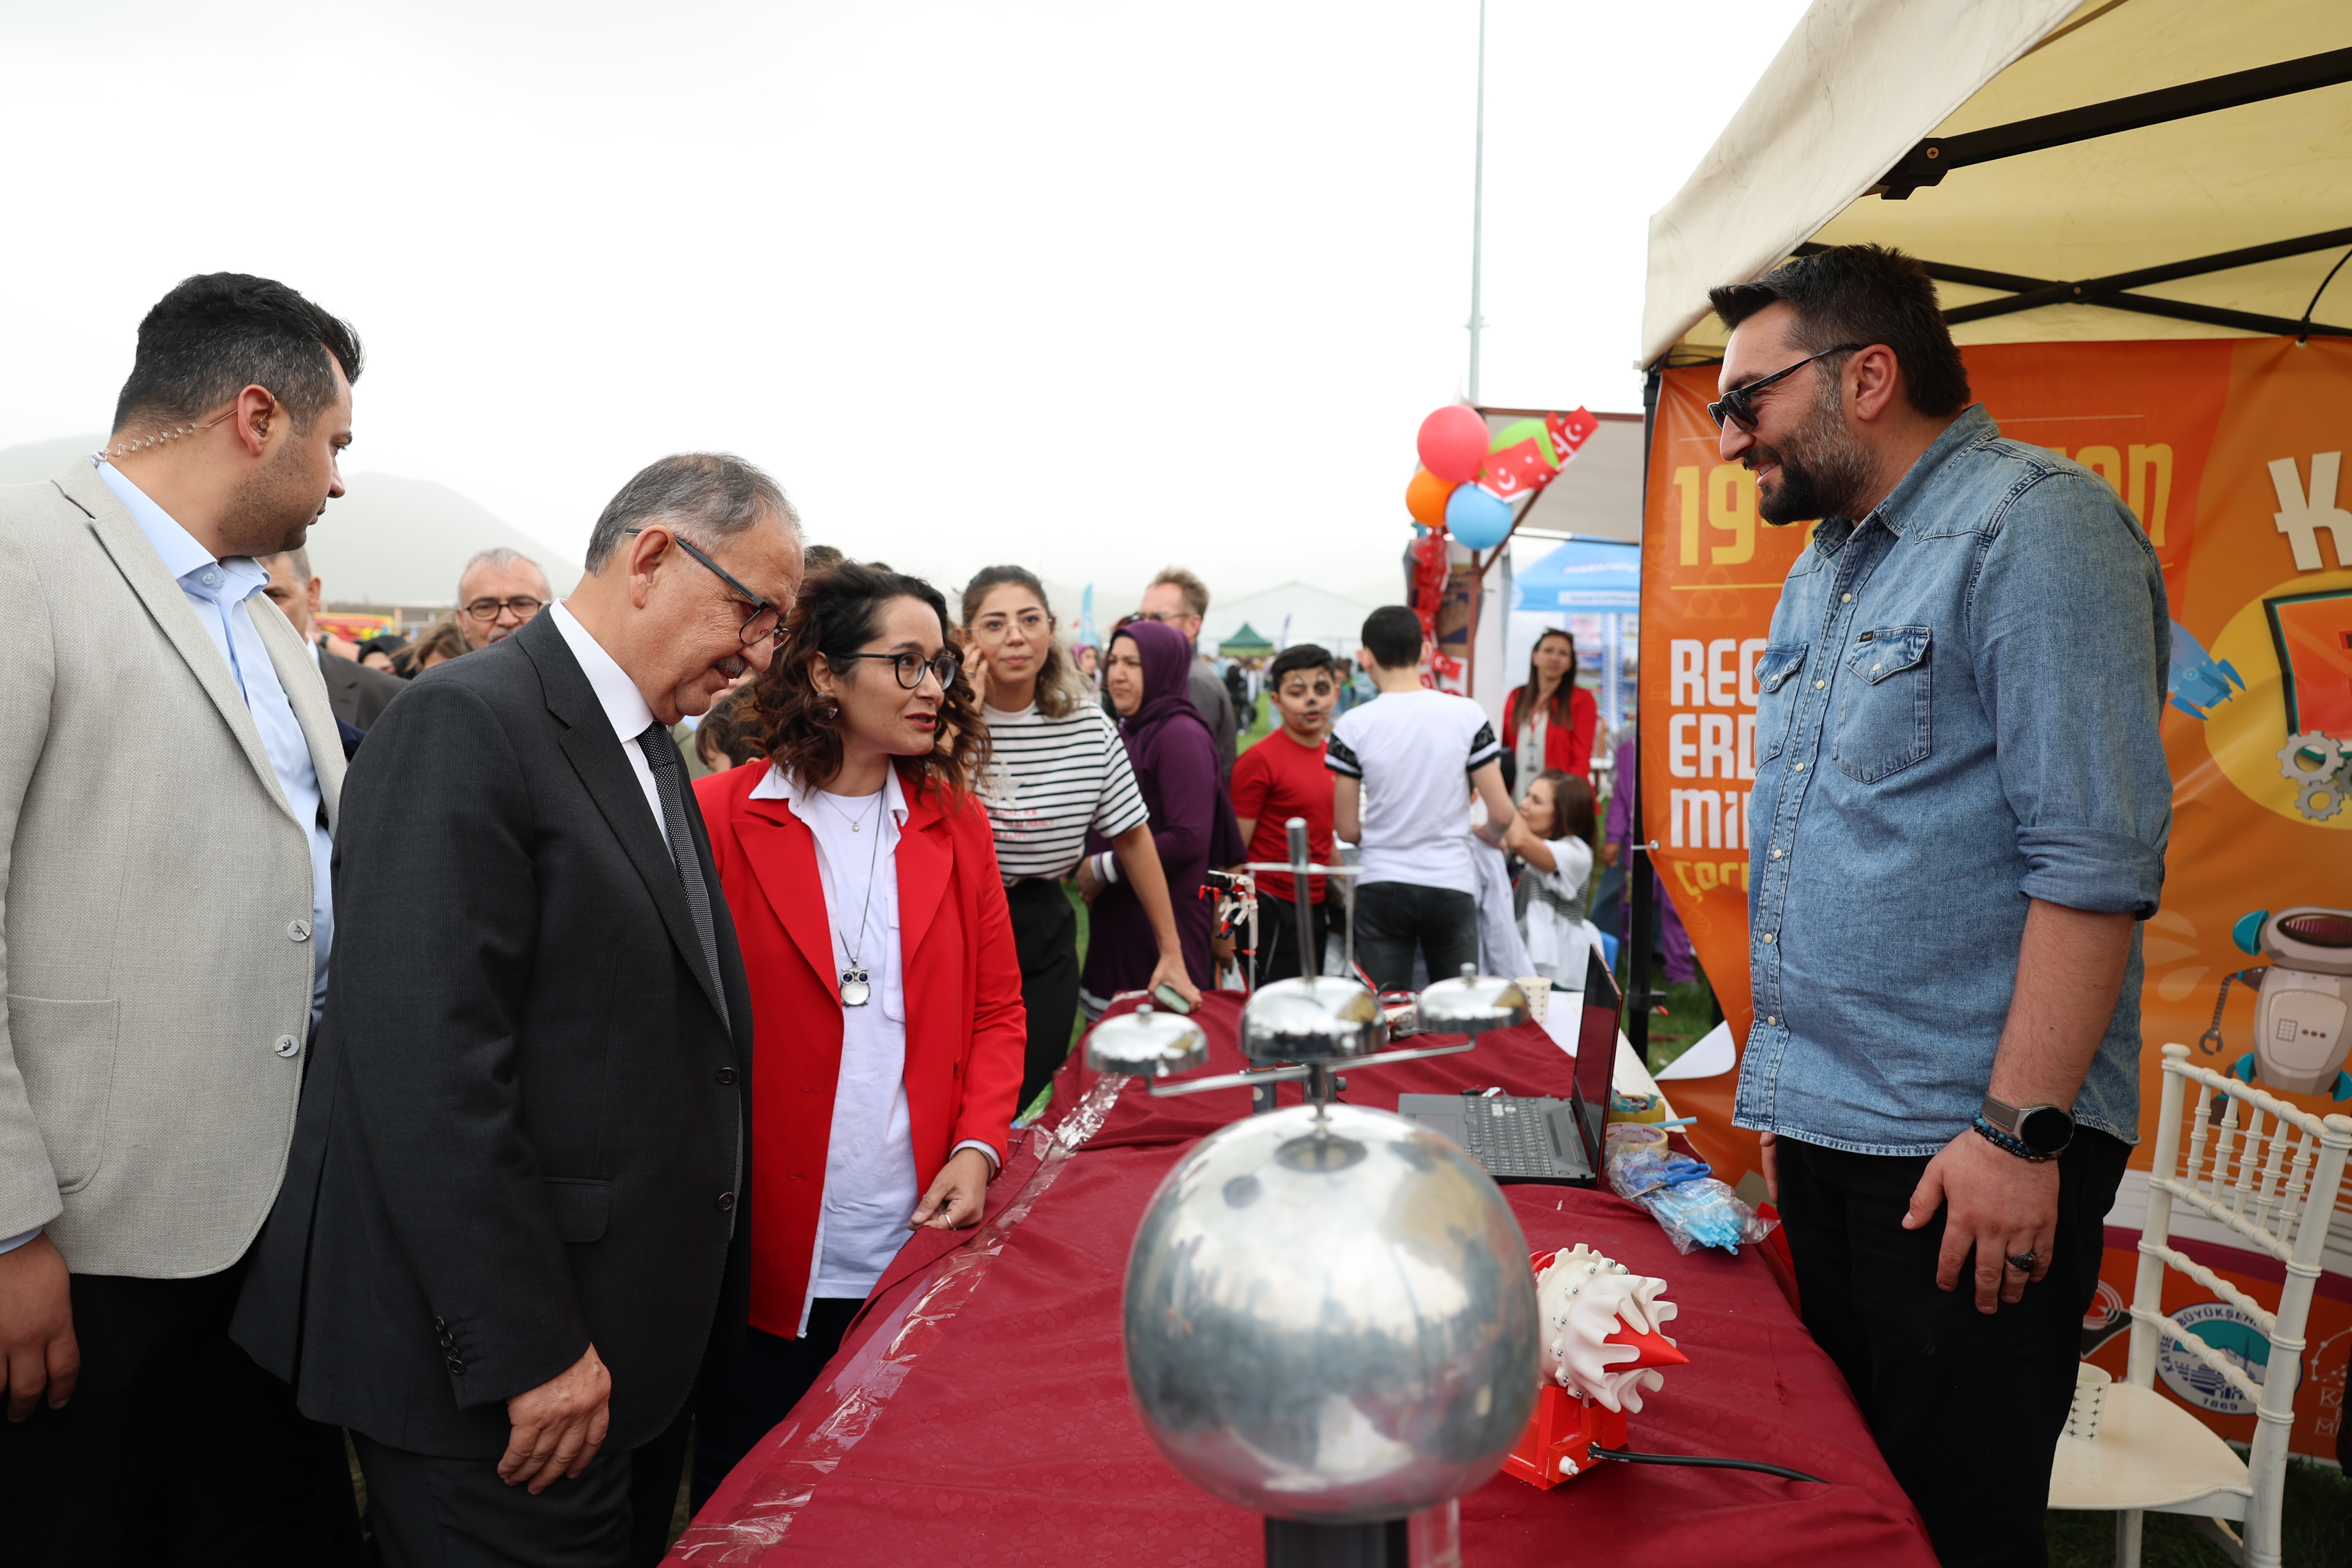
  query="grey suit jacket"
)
[
  {"x": 156, "y": 900},
  {"x": 357, "y": 694}
]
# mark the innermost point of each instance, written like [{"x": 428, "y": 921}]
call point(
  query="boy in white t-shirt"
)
[{"x": 1405, "y": 765}]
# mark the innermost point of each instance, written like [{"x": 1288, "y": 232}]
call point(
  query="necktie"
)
[{"x": 661, "y": 755}]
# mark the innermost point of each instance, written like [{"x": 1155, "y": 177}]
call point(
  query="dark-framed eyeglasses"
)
[
  {"x": 767, "y": 620},
  {"x": 522, "y": 606},
  {"x": 910, "y": 668},
  {"x": 1738, "y": 405}
]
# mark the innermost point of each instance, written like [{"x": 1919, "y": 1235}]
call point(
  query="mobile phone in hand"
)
[{"x": 1166, "y": 996}]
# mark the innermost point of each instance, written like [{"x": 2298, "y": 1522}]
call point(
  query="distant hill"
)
[{"x": 390, "y": 541}]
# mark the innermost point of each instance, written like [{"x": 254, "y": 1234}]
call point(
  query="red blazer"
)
[
  {"x": 1568, "y": 747},
  {"x": 966, "y": 1027}
]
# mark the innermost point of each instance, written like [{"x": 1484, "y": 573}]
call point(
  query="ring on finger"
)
[{"x": 2023, "y": 1262}]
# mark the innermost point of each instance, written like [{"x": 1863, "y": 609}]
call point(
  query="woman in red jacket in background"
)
[
  {"x": 1550, "y": 722},
  {"x": 887, "y": 1031}
]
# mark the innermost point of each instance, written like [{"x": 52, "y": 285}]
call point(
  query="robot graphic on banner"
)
[{"x": 2301, "y": 1000}]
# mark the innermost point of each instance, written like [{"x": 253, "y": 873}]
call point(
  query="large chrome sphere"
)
[{"x": 1332, "y": 1321}]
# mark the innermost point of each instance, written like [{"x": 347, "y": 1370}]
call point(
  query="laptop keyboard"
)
[{"x": 1510, "y": 1137}]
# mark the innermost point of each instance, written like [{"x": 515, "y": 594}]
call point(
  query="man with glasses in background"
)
[
  {"x": 1959, "y": 817},
  {"x": 498, "y": 593},
  {"x": 1178, "y": 598},
  {"x": 512, "y": 1224}
]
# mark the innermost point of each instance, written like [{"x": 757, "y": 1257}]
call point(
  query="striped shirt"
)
[{"x": 1050, "y": 779}]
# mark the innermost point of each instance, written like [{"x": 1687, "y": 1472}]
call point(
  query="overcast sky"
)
[{"x": 1087, "y": 286}]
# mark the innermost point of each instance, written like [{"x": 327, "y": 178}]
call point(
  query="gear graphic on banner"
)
[{"x": 2313, "y": 762}]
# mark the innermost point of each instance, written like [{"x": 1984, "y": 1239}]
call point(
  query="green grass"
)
[{"x": 2316, "y": 1527}]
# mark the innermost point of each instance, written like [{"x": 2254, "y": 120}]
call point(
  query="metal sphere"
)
[{"x": 1331, "y": 1321}]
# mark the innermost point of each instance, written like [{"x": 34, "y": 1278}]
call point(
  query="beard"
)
[
  {"x": 1824, "y": 470},
  {"x": 273, "y": 510}
]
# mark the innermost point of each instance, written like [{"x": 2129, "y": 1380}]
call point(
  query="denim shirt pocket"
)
[
  {"x": 1882, "y": 722},
  {"x": 1775, "y": 700}
]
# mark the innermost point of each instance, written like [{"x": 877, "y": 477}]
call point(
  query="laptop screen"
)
[{"x": 1596, "y": 1040}]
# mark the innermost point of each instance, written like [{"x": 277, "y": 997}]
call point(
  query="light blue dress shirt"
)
[{"x": 221, "y": 593}]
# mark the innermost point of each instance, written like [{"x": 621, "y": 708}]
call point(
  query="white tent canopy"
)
[{"x": 2112, "y": 197}]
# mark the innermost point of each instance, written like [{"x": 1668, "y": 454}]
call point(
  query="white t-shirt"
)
[{"x": 1414, "y": 752}]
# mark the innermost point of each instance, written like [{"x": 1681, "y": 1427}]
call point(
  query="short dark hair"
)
[
  {"x": 714, "y": 494},
  {"x": 219, "y": 333},
  {"x": 1862, "y": 294},
  {"x": 1301, "y": 655},
  {"x": 1393, "y": 634},
  {"x": 730, "y": 728}
]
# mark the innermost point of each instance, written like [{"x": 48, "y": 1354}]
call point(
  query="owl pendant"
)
[{"x": 854, "y": 988}]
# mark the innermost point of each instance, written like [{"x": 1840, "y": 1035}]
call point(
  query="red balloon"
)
[{"x": 1454, "y": 444}]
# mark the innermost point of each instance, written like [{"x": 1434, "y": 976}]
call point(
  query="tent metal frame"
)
[
  {"x": 2114, "y": 292},
  {"x": 1933, "y": 157}
]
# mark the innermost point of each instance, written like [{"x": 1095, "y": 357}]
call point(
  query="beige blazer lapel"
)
[
  {"x": 305, "y": 689},
  {"x": 136, "y": 559}
]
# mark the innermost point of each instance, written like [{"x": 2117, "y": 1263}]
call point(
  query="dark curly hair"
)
[{"x": 839, "y": 613}]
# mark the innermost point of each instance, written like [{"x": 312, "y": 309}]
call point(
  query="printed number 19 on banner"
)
[{"x": 1730, "y": 498}]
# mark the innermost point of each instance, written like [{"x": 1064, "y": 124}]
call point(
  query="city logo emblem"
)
[{"x": 2230, "y": 1333}]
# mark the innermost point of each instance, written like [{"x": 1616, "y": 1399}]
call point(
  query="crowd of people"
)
[
  {"x": 606, "y": 987},
  {"x": 441, "y": 1062}
]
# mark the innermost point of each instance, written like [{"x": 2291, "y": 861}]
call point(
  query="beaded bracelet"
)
[{"x": 2014, "y": 1145}]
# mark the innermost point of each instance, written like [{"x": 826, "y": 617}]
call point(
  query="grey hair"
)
[
  {"x": 504, "y": 558},
  {"x": 714, "y": 494}
]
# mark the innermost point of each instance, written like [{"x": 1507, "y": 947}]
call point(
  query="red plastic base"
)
[{"x": 1557, "y": 1443}]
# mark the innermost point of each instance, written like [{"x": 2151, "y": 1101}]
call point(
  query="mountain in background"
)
[{"x": 389, "y": 541}]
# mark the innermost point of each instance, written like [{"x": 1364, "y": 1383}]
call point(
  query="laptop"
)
[{"x": 1539, "y": 1139}]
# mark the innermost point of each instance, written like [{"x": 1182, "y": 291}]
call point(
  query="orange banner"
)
[{"x": 2228, "y": 451}]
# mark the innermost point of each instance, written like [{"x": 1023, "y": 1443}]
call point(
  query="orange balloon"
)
[{"x": 1424, "y": 497}]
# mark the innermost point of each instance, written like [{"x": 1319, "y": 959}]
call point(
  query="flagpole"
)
[{"x": 1477, "y": 204}]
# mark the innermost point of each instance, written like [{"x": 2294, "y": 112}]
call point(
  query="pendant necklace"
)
[{"x": 855, "y": 988}]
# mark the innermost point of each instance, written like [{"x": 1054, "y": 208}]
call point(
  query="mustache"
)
[{"x": 732, "y": 666}]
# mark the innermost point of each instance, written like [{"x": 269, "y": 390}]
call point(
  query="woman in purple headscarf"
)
[{"x": 1147, "y": 672}]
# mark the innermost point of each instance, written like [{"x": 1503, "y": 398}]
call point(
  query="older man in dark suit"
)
[
  {"x": 357, "y": 694},
  {"x": 512, "y": 1224}
]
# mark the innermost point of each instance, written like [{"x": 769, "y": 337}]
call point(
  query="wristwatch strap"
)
[{"x": 2014, "y": 1145}]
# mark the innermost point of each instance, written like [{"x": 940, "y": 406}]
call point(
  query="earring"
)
[{"x": 829, "y": 711}]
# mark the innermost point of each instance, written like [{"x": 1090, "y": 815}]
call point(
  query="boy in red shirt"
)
[{"x": 1281, "y": 777}]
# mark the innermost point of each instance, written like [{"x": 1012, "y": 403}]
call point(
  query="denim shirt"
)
[{"x": 1958, "y": 713}]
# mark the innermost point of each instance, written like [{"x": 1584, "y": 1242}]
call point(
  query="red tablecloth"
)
[{"x": 979, "y": 1415}]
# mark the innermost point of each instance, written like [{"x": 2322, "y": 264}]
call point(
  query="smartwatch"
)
[{"x": 2041, "y": 1132}]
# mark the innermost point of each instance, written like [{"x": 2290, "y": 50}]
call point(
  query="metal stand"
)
[{"x": 1290, "y": 1543}]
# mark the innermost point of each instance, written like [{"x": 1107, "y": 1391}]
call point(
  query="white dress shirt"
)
[
  {"x": 221, "y": 593},
  {"x": 625, "y": 707},
  {"x": 870, "y": 1190}
]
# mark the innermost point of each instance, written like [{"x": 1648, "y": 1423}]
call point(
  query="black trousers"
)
[
  {"x": 1967, "y": 1406},
  {"x": 175, "y": 1449},
  {"x": 1277, "y": 938},
  {"x": 1393, "y": 918},
  {"x": 740, "y": 1403},
  {"x": 1045, "y": 939}
]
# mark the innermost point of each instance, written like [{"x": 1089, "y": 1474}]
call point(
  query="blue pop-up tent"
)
[{"x": 1589, "y": 578}]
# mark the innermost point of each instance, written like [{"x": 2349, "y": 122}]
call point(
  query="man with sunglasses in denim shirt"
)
[{"x": 1959, "y": 817}]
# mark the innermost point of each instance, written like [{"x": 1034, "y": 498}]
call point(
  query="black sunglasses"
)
[{"x": 1740, "y": 403}]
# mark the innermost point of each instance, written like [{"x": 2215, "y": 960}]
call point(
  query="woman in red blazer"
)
[
  {"x": 887, "y": 1028},
  {"x": 1550, "y": 722}
]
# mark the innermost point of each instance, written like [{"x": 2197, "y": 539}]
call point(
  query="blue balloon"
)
[{"x": 1477, "y": 519}]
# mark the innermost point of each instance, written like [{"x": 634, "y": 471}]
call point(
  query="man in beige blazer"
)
[{"x": 169, "y": 772}]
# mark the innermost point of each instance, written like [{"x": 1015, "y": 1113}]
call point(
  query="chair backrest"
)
[{"x": 2268, "y": 1171}]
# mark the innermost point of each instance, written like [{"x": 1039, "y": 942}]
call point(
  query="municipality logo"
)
[{"x": 2234, "y": 1336}]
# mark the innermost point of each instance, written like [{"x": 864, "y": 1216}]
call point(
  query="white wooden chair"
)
[{"x": 2271, "y": 1173}]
